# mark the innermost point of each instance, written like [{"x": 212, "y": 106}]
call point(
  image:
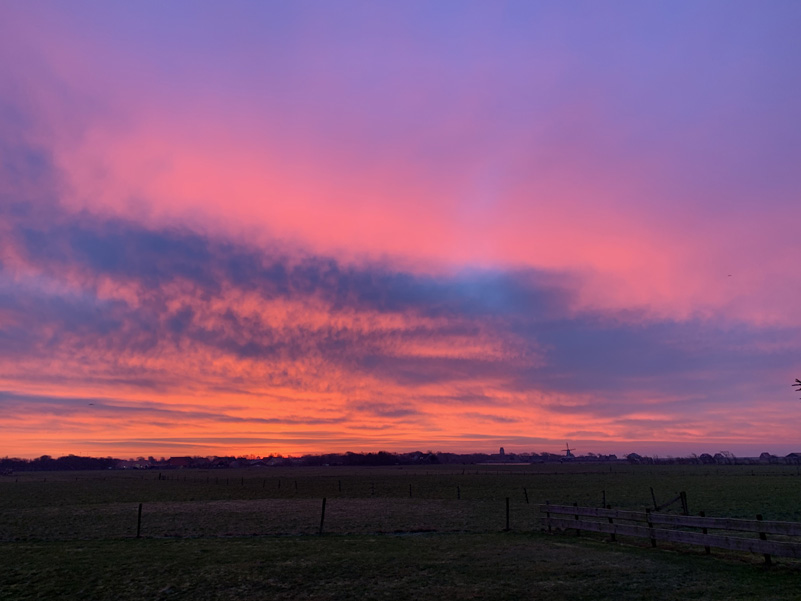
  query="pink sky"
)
[{"x": 287, "y": 228}]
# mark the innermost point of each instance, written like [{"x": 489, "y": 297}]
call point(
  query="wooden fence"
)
[{"x": 732, "y": 534}]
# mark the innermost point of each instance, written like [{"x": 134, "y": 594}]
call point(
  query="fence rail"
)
[{"x": 668, "y": 527}]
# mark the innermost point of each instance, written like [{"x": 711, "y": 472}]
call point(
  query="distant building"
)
[
  {"x": 768, "y": 458},
  {"x": 502, "y": 452},
  {"x": 793, "y": 459}
]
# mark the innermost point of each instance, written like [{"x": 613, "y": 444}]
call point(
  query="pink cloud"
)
[{"x": 428, "y": 241}]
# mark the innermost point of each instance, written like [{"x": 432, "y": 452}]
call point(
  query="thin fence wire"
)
[{"x": 261, "y": 517}]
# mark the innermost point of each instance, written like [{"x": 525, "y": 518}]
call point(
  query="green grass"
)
[
  {"x": 250, "y": 534},
  {"x": 443, "y": 566},
  {"x": 97, "y": 505}
]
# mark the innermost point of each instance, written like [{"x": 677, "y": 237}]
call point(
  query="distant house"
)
[
  {"x": 793, "y": 459},
  {"x": 179, "y": 462},
  {"x": 768, "y": 458}
]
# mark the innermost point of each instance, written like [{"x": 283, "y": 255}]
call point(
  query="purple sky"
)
[{"x": 272, "y": 227}]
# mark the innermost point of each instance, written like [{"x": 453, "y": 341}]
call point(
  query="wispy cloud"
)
[
  {"x": 533, "y": 246},
  {"x": 103, "y": 304}
]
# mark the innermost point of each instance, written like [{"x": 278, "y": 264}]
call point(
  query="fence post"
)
[
  {"x": 322, "y": 517},
  {"x": 707, "y": 550},
  {"x": 525, "y": 492},
  {"x": 653, "y": 497},
  {"x": 139, "y": 522},
  {"x": 650, "y": 525},
  {"x": 548, "y": 515},
  {"x": 611, "y": 535},
  {"x": 763, "y": 536},
  {"x": 576, "y": 517},
  {"x": 684, "y": 506}
]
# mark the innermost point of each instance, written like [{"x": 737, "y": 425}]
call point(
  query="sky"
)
[{"x": 302, "y": 227}]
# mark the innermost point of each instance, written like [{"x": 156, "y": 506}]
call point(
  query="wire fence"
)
[{"x": 261, "y": 517}]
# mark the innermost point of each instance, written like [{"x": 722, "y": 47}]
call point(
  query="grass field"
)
[{"x": 397, "y": 533}]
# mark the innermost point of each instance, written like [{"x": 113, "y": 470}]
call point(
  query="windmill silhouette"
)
[{"x": 568, "y": 452}]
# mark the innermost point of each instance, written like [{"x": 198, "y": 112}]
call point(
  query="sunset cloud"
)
[{"x": 398, "y": 227}]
